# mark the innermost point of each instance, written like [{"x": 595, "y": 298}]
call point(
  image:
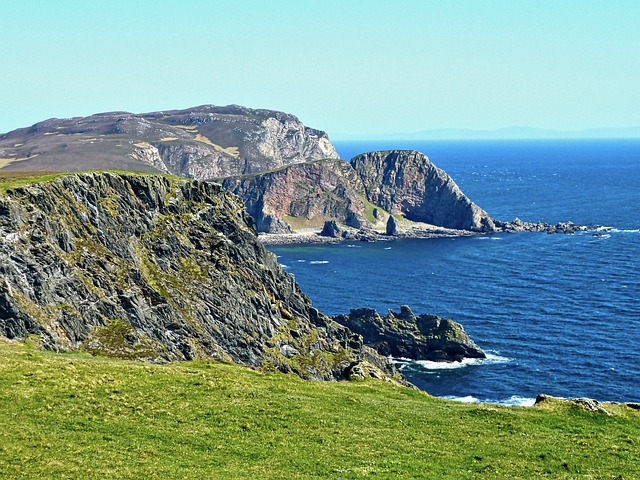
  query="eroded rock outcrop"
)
[
  {"x": 305, "y": 194},
  {"x": 157, "y": 268},
  {"x": 360, "y": 194},
  {"x": 405, "y": 335},
  {"x": 405, "y": 182}
]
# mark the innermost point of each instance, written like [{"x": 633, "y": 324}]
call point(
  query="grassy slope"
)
[
  {"x": 17, "y": 178},
  {"x": 75, "y": 416}
]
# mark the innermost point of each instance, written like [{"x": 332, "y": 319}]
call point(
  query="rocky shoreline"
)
[{"x": 334, "y": 233}]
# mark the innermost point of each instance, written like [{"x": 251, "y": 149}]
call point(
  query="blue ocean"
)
[{"x": 557, "y": 314}]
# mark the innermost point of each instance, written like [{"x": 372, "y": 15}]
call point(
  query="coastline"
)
[{"x": 313, "y": 235}]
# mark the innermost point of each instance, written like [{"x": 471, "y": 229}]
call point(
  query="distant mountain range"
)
[{"x": 507, "y": 133}]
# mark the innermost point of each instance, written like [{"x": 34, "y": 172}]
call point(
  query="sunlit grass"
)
[{"x": 76, "y": 416}]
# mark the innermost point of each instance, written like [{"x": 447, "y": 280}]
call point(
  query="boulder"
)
[
  {"x": 331, "y": 229},
  {"x": 392, "y": 227},
  {"x": 405, "y": 335}
]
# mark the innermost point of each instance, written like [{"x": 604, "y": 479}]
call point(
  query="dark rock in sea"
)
[
  {"x": 392, "y": 227},
  {"x": 331, "y": 229},
  {"x": 517, "y": 225},
  {"x": 158, "y": 268},
  {"x": 423, "y": 337}
]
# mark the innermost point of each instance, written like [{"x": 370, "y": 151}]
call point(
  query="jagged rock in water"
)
[
  {"x": 158, "y": 268},
  {"x": 517, "y": 226},
  {"x": 309, "y": 192},
  {"x": 201, "y": 142},
  {"x": 405, "y": 182},
  {"x": 423, "y": 337}
]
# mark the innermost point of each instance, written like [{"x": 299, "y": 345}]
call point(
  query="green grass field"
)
[{"x": 77, "y": 416}]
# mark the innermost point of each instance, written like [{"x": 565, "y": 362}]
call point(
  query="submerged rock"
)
[{"x": 423, "y": 337}]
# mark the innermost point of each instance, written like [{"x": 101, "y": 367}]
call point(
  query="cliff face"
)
[
  {"x": 157, "y": 268},
  {"x": 202, "y": 142},
  {"x": 303, "y": 194},
  {"x": 407, "y": 183},
  {"x": 403, "y": 183}
]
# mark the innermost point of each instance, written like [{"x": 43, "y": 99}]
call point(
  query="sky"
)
[{"x": 349, "y": 67}]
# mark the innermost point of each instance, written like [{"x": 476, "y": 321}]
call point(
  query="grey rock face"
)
[
  {"x": 309, "y": 192},
  {"x": 158, "y": 268},
  {"x": 423, "y": 337},
  {"x": 202, "y": 142},
  {"x": 405, "y": 182}
]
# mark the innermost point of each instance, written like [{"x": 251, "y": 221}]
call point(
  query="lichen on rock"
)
[{"x": 160, "y": 268}]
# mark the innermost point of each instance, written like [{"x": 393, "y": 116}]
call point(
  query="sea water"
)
[{"x": 557, "y": 314}]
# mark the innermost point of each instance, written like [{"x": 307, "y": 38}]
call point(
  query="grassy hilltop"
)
[{"x": 76, "y": 416}]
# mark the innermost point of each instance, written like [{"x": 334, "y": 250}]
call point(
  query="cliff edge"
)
[{"x": 158, "y": 268}]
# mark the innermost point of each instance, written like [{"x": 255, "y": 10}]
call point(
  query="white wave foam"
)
[
  {"x": 429, "y": 365},
  {"x": 467, "y": 399},
  {"x": 301, "y": 261},
  {"x": 492, "y": 358},
  {"x": 284, "y": 266},
  {"x": 354, "y": 246},
  {"x": 616, "y": 230},
  {"x": 512, "y": 401},
  {"x": 613, "y": 230},
  {"x": 517, "y": 401},
  {"x": 318, "y": 262},
  {"x": 387, "y": 248}
]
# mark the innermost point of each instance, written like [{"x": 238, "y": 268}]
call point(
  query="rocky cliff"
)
[
  {"x": 269, "y": 158},
  {"x": 302, "y": 195},
  {"x": 157, "y": 268},
  {"x": 202, "y": 142},
  {"x": 362, "y": 193},
  {"x": 405, "y": 182},
  {"x": 405, "y": 335}
]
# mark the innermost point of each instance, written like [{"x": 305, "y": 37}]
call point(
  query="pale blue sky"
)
[{"x": 344, "y": 66}]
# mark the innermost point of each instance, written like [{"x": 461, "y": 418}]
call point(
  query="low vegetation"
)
[
  {"x": 77, "y": 416},
  {"x": 16, "y": 178},
  {"x": 19, "y": 178}
]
